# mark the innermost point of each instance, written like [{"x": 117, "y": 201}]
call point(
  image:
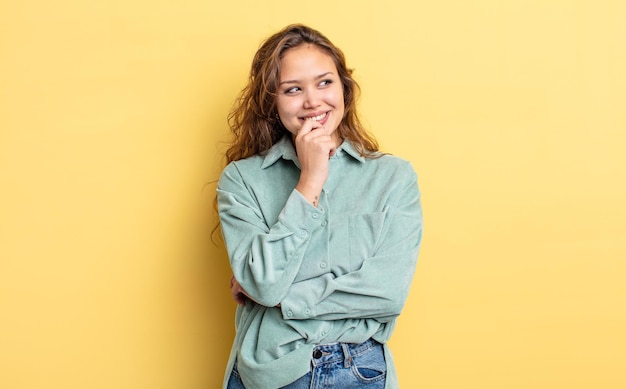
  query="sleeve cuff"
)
[
  {"x": 303, "y": 297},
  {"x": 299, "y": 215}
]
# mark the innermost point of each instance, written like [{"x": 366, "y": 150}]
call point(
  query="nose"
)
[{"x": 312, "y": 99}]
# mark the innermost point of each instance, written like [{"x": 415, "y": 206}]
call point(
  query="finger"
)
[
  {"x": 306, "y": 128},
  {"x": 238, "y": 289},
  {"x": 235, "y": 296},
  {"x": 328, "y": 130},
  {"x": 235, "y": 289},
  {"x": 321, "y": 128},
  {"x": 241, "y": 299}
]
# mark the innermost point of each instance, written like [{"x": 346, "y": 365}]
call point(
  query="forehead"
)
[{"x": 306, "y": 60}]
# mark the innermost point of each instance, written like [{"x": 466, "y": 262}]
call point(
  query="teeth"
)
[{"x": 317, "y": 118}]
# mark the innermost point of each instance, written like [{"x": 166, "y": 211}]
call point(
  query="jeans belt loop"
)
[{"x": 347, "y": 357}]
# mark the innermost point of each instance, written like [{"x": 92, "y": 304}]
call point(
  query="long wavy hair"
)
[{"x": 254, "y": 117}]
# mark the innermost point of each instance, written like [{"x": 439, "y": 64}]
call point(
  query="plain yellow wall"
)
[{"x": 112, "y": 118}]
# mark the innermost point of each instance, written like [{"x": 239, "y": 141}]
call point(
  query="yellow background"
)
[{"x": 112, "y": 119}]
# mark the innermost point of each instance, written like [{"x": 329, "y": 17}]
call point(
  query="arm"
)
[
  {"x": 265, "y": 259},
  {"x": 380, "y": 287}
]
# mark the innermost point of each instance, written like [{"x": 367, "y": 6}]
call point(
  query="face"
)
[{"x": 310, "y": 89}]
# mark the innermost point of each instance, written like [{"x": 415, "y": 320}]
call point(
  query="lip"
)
[{"x": 314, "y": 114}]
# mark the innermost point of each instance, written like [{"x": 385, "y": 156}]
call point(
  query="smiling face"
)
[{"x": 309, "y": 89}]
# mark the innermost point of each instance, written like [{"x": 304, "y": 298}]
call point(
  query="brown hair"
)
[{"x": 254, "y": 118}]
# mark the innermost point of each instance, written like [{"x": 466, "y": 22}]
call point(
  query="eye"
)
[
  {"x": 292, "y": 90},
  {"x": 326, "y": 82}
]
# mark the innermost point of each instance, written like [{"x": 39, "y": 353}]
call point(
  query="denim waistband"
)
[{"x": 332, "y": 352}]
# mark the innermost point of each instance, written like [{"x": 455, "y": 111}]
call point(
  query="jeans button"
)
[{"x": 317, "y": 354}]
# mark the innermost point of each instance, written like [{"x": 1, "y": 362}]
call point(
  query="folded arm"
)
[
  {"x": 378, "y": 289},
  {"x": 265, "y": 259}
]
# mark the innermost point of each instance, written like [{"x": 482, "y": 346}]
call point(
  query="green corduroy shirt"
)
[{"x": 341, "y": 271}]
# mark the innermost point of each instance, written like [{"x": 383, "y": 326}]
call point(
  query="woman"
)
[{"x": 322, "y": 230}]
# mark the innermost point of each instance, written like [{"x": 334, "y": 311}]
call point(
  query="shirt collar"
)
[{"x": 285, "y": 149}]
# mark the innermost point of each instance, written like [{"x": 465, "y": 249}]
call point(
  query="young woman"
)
[{"x": 322, "y": 230}]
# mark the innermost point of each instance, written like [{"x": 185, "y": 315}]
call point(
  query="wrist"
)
[{"x": 311, "y": 192}]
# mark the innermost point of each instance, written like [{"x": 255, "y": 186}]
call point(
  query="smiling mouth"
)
[{"x": 317, "y": 118}]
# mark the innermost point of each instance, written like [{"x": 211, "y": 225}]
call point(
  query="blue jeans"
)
[{"x": 338, "y": 366}]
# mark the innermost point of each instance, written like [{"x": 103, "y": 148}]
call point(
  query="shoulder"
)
[
  {"x": 251, "y": 163},
  {"x": 392, "y": 166},
  {"x": 236, "y": 170},
  {"x": 255, "y": 165}
]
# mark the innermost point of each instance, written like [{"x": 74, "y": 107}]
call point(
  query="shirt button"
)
[
  {"x": 315, "y": 216},
  {"x": 289, "y": 313},
  {"x": 307, "y": 311},
  {"x": 324, "y": 223},
  {"x": 303, "y": 232},
  {"x": 323, "y": 265}
]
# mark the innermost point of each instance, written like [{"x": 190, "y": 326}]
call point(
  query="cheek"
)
[
  {"x": 287, "y": 115},
  {"x": 286, "y": 108},
  {"x": 337, "y": 98},
  {"x": 340, "y": 103}
]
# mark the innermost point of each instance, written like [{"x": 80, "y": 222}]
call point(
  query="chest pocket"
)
[{"x": 364, "y": 231}]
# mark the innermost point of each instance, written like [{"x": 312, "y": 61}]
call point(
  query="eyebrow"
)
[{"x": 297, "y": 81}]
